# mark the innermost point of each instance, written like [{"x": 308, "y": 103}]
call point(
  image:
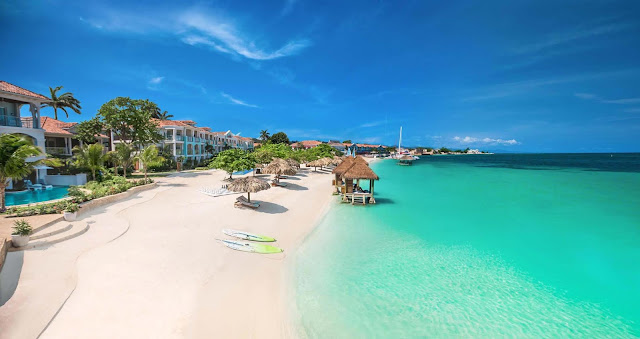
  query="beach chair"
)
[
  {"x": 275, "y": 183},
  {"x": 239, "y": 204}
]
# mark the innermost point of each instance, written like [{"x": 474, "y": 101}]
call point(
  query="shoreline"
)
[{"x": 150, "y": 264}]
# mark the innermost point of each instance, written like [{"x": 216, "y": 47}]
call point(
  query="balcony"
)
[
  {"x": 179, "y": 138},
  {"x": 196, "y": 139},
  {"x": 57, "y": 150},
  {"x": 190, "y": 139}
]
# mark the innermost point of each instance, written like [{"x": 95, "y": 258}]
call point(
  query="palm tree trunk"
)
[
  {"x": 93, "y": 173},
  {"x": 55, "y": 112},
  {"x": 249, "y": 196},
  {"x": 3, "y": 206},
  {"x": 145, "y": 174},
  {"x": 124, "y": 170}
]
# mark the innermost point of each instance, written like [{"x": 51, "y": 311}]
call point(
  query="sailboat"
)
[{"x": 402, "y": 152}]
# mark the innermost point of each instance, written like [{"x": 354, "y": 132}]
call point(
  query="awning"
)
[{"x": 39, "y": 167}]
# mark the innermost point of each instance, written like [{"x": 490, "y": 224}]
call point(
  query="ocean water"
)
[{"x": 483, "y": 246}]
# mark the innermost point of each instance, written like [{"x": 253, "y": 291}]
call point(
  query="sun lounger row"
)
[{"x": 241, "y": 201}]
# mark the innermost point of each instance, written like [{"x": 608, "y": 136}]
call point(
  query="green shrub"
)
[{"x": 21, "y": 227}]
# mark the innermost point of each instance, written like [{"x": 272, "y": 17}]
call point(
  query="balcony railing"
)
[
  {"x": 11, "y": 121},
  {"x": 57, "y": 150},
  {"x": 196, "y": 139},
  {"x": 190, "y": 139},
  {"x": 179, "y": 138}
]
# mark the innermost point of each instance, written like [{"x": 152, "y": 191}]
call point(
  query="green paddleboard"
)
[{"x": 246, "y": 246}]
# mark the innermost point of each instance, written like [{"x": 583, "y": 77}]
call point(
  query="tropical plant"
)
[
  {"x": 279, "y": 138},
  {"x": 264, "y": 135},
  {"x": 62, "y": 101},
  {"x": 233, "y": 160},
  {"x": 91, "y": 157},
  {"x": 121, "y": 156},
  {"x": 149, "y": 157},
  {"x": 130, "y": 120},
  {"x": 71, "y": 207},
  {"x": 347, "y": 141},
  {"x": 88, "y": 130},
  {"x": 162, "y": 116},
  {"x": 14, "y": 151},
  {"x": 21, "y": 227},
  {"x": 209, "y": 149}
]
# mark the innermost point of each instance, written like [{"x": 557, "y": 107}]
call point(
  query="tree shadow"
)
[
  {"x": 295, "y": 187},
  {"x": 290, "y": 177}
]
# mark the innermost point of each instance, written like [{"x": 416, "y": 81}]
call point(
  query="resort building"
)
[
  {"x": 16, "y": 101},
  {"x": 187, "y": 140},
  {"x": 59, "y": 137},
  {"x": 368, "y": 149},
  {"x": 342, "y": 147},
  {"x": 306, "y": 144}
]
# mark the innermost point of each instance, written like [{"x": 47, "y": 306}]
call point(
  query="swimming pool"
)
[{"x": 30, "y": 197}]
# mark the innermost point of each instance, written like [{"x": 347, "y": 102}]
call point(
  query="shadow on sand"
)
[
  {"x": 10, "y": 275},
  {"x": 271, "y": 208},
  {"x": 295, "y": 187}
]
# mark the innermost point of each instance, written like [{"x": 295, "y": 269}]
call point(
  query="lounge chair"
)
[
  {"x": 253, "y": 205},
  {"x": 275, "y": 183},
  {"x": 45, "y": 185},
  {"x": 29, "y": 185}
]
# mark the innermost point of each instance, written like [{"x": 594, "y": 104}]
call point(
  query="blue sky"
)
[{"x": 546, "y": 76}]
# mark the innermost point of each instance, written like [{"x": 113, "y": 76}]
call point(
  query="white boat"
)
[{"x": 402, "y": 152}]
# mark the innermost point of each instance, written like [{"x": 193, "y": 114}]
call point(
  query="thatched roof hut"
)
[
  {"x": 344, "y": 165},
  {"x": 248, "y": 185},
  {"x": 360, "y": 171},
  {"x": 336, "y": 160},
  {"x": 406, "y": 157}
]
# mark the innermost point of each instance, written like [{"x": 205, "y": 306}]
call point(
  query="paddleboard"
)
[
  {"x": 250, "y": 247},
  {"x": 247, "y": 236}
]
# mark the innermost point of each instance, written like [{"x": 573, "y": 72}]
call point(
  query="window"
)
[{"x": 2, "y": 111}]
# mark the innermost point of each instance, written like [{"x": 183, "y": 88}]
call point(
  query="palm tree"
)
[
  {"x": 63, "y": 101},
  {"x": 90, "y": 156},
  {"x": 149, "y": 157},
  {"x": 14, "y": 151},
  {"x": 162, "y": 116},
  {"x": 264, "y": 135},
  {"x": 123, "y": 156},
  {"x": 209, "y": 149}
]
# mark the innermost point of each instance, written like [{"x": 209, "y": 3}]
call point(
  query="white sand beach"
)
[{"x": 149, "y": 266}]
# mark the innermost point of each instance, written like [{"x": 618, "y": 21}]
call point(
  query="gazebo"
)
[
  {"x": 354, "y": 193},
  {"x": 339, "y": 170},
  {"x": 405, "y": 160}
]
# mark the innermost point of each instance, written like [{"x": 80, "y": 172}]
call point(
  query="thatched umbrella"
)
[
  {"x": 249, "y": 185},
  {"x": 293, "y": 163},
  {"x": 327, "y": 161},
  {"x": 316, "y": 163},
  {"x": 279, "y": 167}
]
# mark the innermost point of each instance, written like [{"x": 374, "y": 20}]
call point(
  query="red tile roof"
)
[
  {"x": 162, "y": 123},
  {"x": 368, "y": 145},
  {"x": 309, "y": 143},
  {"x": 188, "y": 122},
  {"x": 7, "y": 87},
  {"x": 51, "y": 125}
]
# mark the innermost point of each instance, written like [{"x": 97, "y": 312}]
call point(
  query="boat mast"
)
[{"x": 400, "y": 141}]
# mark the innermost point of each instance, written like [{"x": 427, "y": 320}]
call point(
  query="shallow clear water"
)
[
  {"x": 480, "y": 246},
  {"x": 29, "y": 197}
]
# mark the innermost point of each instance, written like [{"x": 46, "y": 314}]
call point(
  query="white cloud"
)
[
  {"x": 567, "y": 37},
  {"x": 586, "y": 96},
  {"x": 485, "y": 141},
  {"x": 196, "y": 26},
  {"x": 156, "y": 80},
  {"x": 623, "y": 101},
  {"x": 222, "y": 35},
  {"x": 236, "y": 101},
  {"x": 372, "y": 124}
]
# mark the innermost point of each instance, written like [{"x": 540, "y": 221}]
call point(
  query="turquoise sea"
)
[{"x": 483, "y": 246}]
